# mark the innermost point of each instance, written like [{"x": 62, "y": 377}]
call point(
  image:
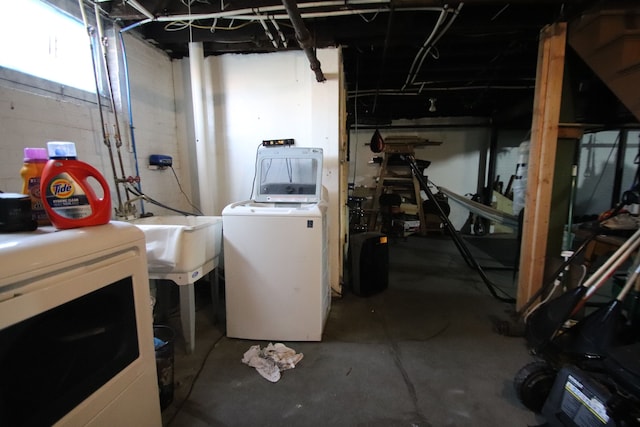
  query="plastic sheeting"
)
[
  {"x": 162, "y": 243},
  {"x": 483, "y": 210}
]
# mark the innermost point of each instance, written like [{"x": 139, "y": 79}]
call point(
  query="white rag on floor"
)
[{"x": 271, "y": 360}]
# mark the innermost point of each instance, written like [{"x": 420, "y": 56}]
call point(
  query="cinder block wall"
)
[{"x": 29, "y": 119}]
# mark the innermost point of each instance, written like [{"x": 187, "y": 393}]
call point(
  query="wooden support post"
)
[{"x": 541, "y": 163}]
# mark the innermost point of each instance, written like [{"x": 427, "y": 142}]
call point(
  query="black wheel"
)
[{"x": 533, "y": 384}]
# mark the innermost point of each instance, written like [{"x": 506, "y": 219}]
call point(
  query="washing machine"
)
[{"x": 276, "y": 251}]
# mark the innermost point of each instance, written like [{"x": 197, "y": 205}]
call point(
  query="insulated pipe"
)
[
  {"x": 304, "y": 37},
  {"x": 196, "y": 66}
]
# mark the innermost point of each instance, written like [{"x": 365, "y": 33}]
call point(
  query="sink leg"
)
[{"x": 188, "y": 315}]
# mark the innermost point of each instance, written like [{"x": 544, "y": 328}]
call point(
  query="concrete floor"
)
[{"x": 422, "y": 353}]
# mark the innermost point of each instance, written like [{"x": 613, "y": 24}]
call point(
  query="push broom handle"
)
[
  {"x": 631, "y": 281},
  {"x": 614, "y": 261},
  {"x": 617, "y": 259},
  {"x": 627, "y": 286}
]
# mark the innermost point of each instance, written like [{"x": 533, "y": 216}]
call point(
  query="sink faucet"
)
[{"x": 129, "y": 211}]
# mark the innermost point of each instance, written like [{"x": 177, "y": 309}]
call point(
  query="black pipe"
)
[
  {"x": 304, "y": 37},
  {"x": 619, "y": 167}
]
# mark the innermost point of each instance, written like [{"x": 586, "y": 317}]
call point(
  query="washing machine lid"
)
[{"x": 289, "y": 175}]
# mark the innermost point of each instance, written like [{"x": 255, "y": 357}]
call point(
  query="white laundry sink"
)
[{"x": 180, "y": 244}]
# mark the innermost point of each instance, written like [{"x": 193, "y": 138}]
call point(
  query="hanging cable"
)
[{"x": 183, "y": 193}]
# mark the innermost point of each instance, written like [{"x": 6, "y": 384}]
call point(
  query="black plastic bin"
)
[{"x": 163, "y": 343}]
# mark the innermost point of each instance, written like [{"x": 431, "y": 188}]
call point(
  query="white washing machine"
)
[
  {"x": 276, "y": 270},
  {"x": 276, "y": 250}
]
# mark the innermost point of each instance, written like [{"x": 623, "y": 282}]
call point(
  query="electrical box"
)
[{"x": 160, "y": 160}]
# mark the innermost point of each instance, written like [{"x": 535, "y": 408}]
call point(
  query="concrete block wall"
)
[{"x": 29, "y": 119}]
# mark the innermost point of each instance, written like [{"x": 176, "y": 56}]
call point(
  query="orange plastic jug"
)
[{"x": 69, "y": 199}]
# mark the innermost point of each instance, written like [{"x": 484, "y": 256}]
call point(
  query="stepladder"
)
[{"x": 397, "y": 202}]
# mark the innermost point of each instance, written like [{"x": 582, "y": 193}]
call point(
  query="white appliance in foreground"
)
[
  {"x": 76, "y": 333},
  {"x": 276, "y": 270}
]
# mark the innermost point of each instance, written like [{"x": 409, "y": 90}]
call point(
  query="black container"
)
[
  {"x": 163, "y": 341},
  {"x": 15, "y": 213}
]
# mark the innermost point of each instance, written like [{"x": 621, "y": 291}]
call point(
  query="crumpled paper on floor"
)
[{"x": 271, "y": 360}]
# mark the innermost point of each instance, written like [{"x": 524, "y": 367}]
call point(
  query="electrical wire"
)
[
  {"x": 185, "y": 194},
  {"x": 195, "y": 378},
  {"x": 255, "y": 172},
  {"x": 289, "y": 170},
  {"x": 131, "y": 189}
]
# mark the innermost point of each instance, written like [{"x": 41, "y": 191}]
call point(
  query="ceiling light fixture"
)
[{"x": 432, "y": 105}]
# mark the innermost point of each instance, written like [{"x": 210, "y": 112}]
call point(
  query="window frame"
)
[{"x": 15, "y": 79}]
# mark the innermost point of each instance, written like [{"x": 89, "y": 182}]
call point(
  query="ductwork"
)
[{"x": 304, "y": 37}]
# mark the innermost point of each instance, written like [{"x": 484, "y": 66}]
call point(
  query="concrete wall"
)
[{"x": 596, "y": 170}]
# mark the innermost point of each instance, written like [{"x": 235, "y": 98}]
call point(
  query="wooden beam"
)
[{"x": 541, "y": 163}]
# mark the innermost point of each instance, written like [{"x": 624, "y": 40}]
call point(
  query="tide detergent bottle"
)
[{"x": 66, "y": 188}]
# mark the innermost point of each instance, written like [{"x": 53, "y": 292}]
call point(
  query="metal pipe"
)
[
  {"x": 104, "y": 45},
  {"x": 125, "y": 64},
  {"x": 137, "y": 6},
  {"x": 105, "y": 133},
  {"x": 304, "y": 38}
]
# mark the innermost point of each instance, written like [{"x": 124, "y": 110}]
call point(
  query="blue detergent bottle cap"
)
[{"x": 61, "y": 150}]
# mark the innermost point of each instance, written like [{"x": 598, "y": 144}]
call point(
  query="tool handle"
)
[{"x": 614, "y": 261}]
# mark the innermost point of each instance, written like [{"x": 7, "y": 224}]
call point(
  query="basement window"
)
[{"x": 42, "y": 41}]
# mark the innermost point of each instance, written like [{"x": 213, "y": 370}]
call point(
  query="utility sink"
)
[
  {"x": 180, "y": 244},
  {"x": 182, "y": 249}
]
